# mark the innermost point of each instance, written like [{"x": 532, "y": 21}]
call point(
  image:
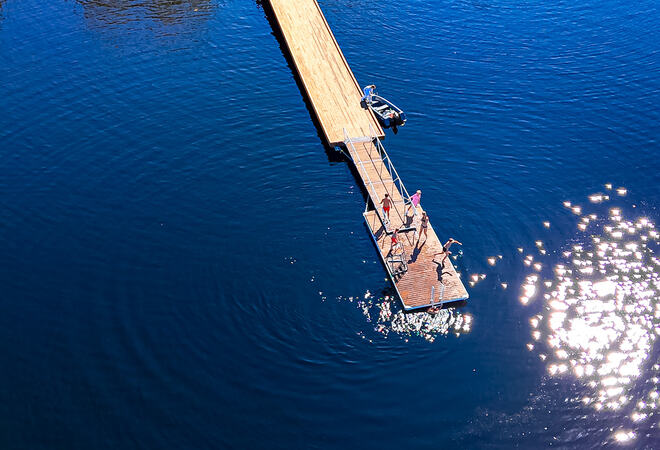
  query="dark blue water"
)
[{"x": 185, "y": 265}]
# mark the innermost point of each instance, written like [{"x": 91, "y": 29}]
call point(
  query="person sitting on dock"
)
[
  {"x": 395, "y": 239},
  {"x": 445, "y": 249},
  {"x": 387, "y": 203},
  {"x": 414, "y": 201}
]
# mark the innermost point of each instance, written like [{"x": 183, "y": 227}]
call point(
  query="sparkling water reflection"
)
[
  {"x": 388, "y": 317},
  {"x": 601, "y": 313},
  {"x": 160, "y": 163}
]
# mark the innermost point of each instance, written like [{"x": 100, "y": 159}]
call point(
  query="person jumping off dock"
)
[
  {"x": 445, "y": 249},
  {"x": 414, "y": 201},
  {"x": 387, "y": 203}
]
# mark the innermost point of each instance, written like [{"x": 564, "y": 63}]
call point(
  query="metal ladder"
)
[{"x": 400, "y": 258}]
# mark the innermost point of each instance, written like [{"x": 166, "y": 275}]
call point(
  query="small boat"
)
[{"x": 388, "y": 114}]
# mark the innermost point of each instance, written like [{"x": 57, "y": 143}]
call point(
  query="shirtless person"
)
[
  {"x": 445, "y": 249},
  {"x": 387, "y": 204}
]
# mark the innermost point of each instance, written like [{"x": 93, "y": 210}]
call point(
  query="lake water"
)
[{"x": 185, "y": 264}]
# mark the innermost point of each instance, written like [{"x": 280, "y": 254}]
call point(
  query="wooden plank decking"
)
[
  {"x": 329, "y": 82},
  {"x": 422, "y": 284},
  {"x": 335, "y": 96}
]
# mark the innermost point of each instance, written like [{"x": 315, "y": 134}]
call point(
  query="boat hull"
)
[{"x": 388, "y": 114}]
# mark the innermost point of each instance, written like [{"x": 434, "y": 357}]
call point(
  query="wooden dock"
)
[
  {"x": 415, "y": 268},
  {"x": 329, "y": 83},
  {"x": 419, "y": 279}
]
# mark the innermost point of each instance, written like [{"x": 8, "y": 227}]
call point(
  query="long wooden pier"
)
[
  {"x": 329, "y": 83},
  {"x": 420, "y": 279}
]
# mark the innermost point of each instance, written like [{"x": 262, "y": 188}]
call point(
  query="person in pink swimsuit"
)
[{"x": 414, "y": 201}]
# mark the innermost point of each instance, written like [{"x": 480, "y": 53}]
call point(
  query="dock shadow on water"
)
[
  {"x": 387, "y": 316},
  {"x": 600, "y": 314},
  {"x": 333, "y": 155}
]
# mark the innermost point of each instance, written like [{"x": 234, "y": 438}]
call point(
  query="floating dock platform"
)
[{"x": 414, "y": 267}]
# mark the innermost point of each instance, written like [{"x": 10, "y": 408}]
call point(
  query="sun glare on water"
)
[{"x": 601, "y": 315}]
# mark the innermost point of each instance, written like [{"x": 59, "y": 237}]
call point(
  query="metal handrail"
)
[
  {"x": 401, "y": 259},
  {"x": 349, "y": 141},
  {"x": 442, "y": 294},
  {"x": 393, "y": 172}
]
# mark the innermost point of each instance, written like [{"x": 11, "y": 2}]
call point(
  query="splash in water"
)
[{"x": 388, "y": 317}]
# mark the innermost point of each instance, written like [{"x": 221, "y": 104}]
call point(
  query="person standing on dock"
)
[
  {"x": 387, "y": 204},
  {"x": 423, "y": 227},
  {"x": 414, "y": 201},
  {"x": 445, "y": 249}
]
